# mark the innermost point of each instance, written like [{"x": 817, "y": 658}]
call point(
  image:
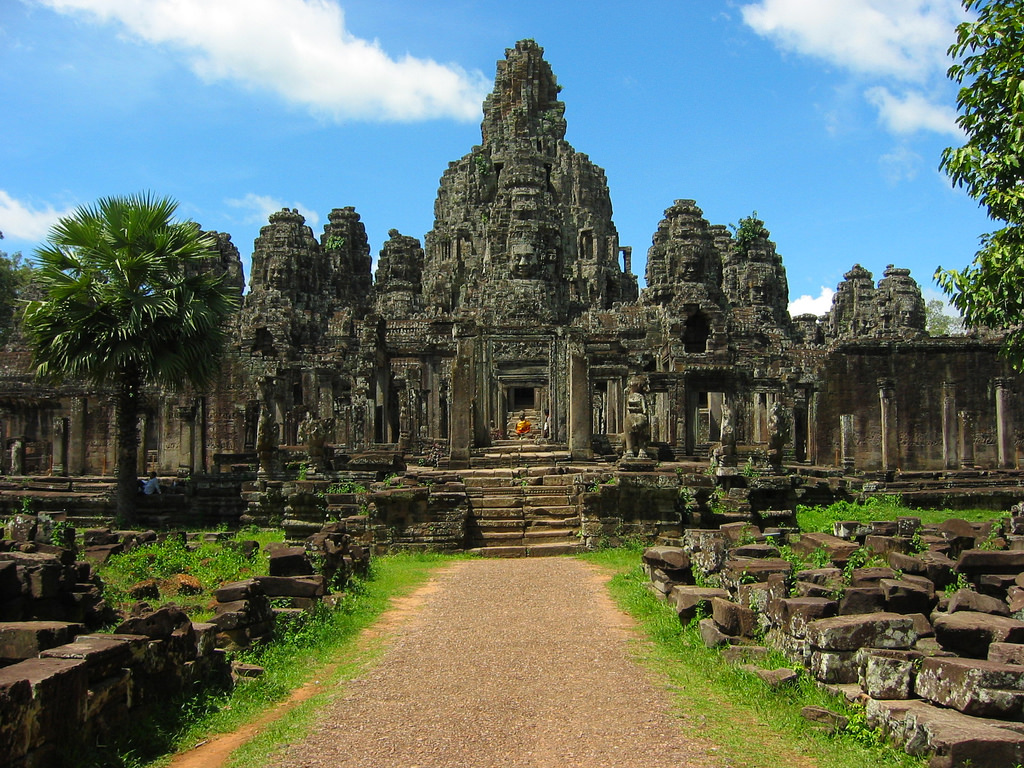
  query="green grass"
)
[
  {"x": 755, "y": 726},
  {"x": 212, "y": 563},
  {"x": 820, "y": 519},
  {"x": 322, "y": 649}
]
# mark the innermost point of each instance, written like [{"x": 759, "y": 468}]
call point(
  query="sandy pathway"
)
[{"x": 506, "y": 663}]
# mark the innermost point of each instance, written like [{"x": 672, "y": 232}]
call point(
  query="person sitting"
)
[
  {"x": 152, "y": 485},
  {"x": 523, "y": 425}
]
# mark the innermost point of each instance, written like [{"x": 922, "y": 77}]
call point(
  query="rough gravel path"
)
[{"x": 505, "y": 663}]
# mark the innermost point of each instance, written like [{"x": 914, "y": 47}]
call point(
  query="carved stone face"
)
[{"x": 524, "y": 262}]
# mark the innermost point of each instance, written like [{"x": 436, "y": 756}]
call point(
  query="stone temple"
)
[{"x": 521, "y": 299}]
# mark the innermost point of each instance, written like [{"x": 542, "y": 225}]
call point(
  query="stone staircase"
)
[{"x": 522, "y": 513}]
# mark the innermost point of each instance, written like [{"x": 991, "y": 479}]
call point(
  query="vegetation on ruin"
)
[
  {"x": 322, "y": 651},
  {"x": 889, "y": 507},
  {"x": 988, "y": 58},
  {"x": 749, "y": 231},
  {"x": 128, "y": 299},
  {"x": 210, "y": 562},
  {"x": 755, "y": 726}
]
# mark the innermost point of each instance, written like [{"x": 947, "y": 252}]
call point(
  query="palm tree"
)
[{"x": 129, "y": 301}]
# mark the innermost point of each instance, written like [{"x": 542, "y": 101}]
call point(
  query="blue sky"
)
[{"x": 827, "y": 117}]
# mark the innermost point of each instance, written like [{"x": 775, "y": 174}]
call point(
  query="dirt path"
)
[{"x": 506, "y": 663}]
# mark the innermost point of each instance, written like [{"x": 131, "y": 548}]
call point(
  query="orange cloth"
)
[{"x": 523, "y": 427}]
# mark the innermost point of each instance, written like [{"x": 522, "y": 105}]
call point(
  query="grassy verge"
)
[
  {"x": 322, "y": 649},
  {"x": 755, "y": 726}
]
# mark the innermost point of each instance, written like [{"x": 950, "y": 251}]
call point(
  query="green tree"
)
[
  {"x": 749, "y": 231},
  {"x": 14, "y": 276},
  {"x": 128, "y": 301},
  {"x": 938, "y": 322},
  {"x": 989, "y": 66}
]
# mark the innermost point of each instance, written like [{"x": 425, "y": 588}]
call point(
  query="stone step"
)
[
  {"x": 509, "y": 551},
  {"x": 537, "y": 500},
  {"x": 501, "y": 526},
  {"x": 549, "y": 533},
  {"x": 498, "y": 513},
  {"x": 545, "y": 522},
  {"x": 553, "y": 549},
  {"x": 497, "y": 502},
  {"x": 552, "y": 510}
]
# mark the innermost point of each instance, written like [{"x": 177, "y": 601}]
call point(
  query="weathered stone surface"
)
[
  {"x": 934, "y": 566},
  {"x": 975, "y": 687},
  {"x": 238, "y": 590},
  {"x": 773, "y": 678},
  {"x": 711, "y": 635},
  {"x": 955, "y": 739},
  {"x": 873, "y": 630},
  {"x": 792, "y": 615},
  {"x": 667, "y": 558},
  {"x": 969, "y": 600},
  {"x": 689, "y": 600},
  {"x": 860, "y": 600},
  {"x": 736, "y": 572},
  {"x": 293, "y": 586},
  {"x": 888, "y": 674},
  {"x": 832, "y": 721},
  {"x": 838, "y": 550},
  {"x": 1006, "y": 653},
  {"x": 733, "y": 619},
  {"x": 869, "y": 577},
  {"x": 904, "y": 596},
  {"x": 970, "y": 634},
  {"x": 288, "y": 561},
  {"x": 977, "y": 561},
  {"x": 21, "y": 640},
  {"x": 833, "y": 667}
]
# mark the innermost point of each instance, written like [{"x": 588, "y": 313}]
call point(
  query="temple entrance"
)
[{"x": 522, "y": 398}]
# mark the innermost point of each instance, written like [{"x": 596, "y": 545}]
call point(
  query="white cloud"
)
[
  {"x": 261, "y": 206},
  {"x": 809, "y": 305},
  {"x": 901, "y": 164},
  {"x": 904, "y": 39},
  {"x": 887, "y": 41},
  {"x": 299, "y": 49},
  {"x": 912, "y": 112},
  {"x": 25, "y": 222}
]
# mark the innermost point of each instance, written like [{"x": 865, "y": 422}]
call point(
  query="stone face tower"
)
[{"x": 523, "y": 224}]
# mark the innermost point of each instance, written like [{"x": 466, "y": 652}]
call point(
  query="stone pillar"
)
[
  {"x": 60, "y": 446},
  {"x": 199, "y": 436},
  {"x": 580, "y": 411},
  {"x": 812, "y": 427},
  {"x": 140, "y": 456},
  {"x": 461, "y": 419},
  {"x": 966, "y": 439},
  {"x": 76, "y": 436},
  {"x": 1007, "y": 454},
  {"x": 847, "y": 442},
  {"x": 950, "y": 427},
  {"x": 890, "y": 434}
]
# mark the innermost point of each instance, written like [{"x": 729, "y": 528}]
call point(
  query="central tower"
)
[{"x": 523, "y": 228}]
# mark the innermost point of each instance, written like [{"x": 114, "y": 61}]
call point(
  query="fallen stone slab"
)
[
  {"x": 740, "y": 571},
  {"x": 872, "y": 630},
  {"x": 973, "y": 562},
  {"x": 970, "y": 634},
  {"x": 969, "y": 600},
  {"x": 793, "y": 614},
  {"x": 21, "y": 640},
  {"x": 834, "y": 667},
  {"x": 838, "y": 550},
  {"x": 732, "y": 618},
  {"x": 975, "y": 687},
  {"x": 667, "y": 558},
  {"x": 829, "y": 720},
  {"x": 773, "y": 678},
  {"x": 293, "y": 586},
  {"x": 869, "y": 577},
  {"x": 861, "y": 600},
  {"x": 905, "y": 596},
  {"x": 711, "y": 635},
  {"x": 955, "y": 739},
  {"x": 888, "y": 674},
  {"x": 104, "y": 655},
  {"x": 690, "y": 600},
  {"x": 934, "y": 566}
]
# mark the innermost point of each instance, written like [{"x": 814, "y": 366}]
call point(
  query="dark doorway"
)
[{"x": 522, "y": 398}]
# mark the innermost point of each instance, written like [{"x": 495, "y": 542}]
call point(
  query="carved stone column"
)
[
  {"x": 76, "y": 436},
  {"x": 967, "y": 421},
  {"x": 462, "y": 406},
  {"x": 847, "y": 442},
  {"x": 1007, "y": 454},
  {"x": 140, "y": 458},
  {"x": 580, "y": 410},
  {"x": 950, "y": 427},
  {"x": 890, "y": 433},
  {"x": 60, "y": 446}
]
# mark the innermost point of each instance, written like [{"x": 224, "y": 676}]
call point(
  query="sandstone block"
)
[
  {"x": 888, "y": 674},
  {"x": 293, "y": 586},
  {"x": 733, "y": 619},
  {"x": 289, "y": 561},
  {"x": 104, "y": 655},
  {"x": 873, "y": 630},
  {"x": 869, "y": 577},
  {"x": 833, "y": 667},
  {"x": 978, "y": 561},
  {"x": 861, "y": 600},
  {"x": 667, "y": 558},
  {"x": 969, "y": 600},
  {"x": 21, "y": 640},
  {"x": 711, "y": 635},
  {"x": 970, "y": 634},
  {"x": 839, "y": 550},
  {"x": 1006, "y": 653},
  {"x": 237, "y": 590},
  {"x": 689, "y": 600},
  {"x": 903, "y": 596},
  {"x": 975, "y": 687},
  {"x": 793, "y": 614}
]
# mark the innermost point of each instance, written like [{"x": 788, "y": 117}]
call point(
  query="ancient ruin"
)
[{"x": 521, "y": 302}]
